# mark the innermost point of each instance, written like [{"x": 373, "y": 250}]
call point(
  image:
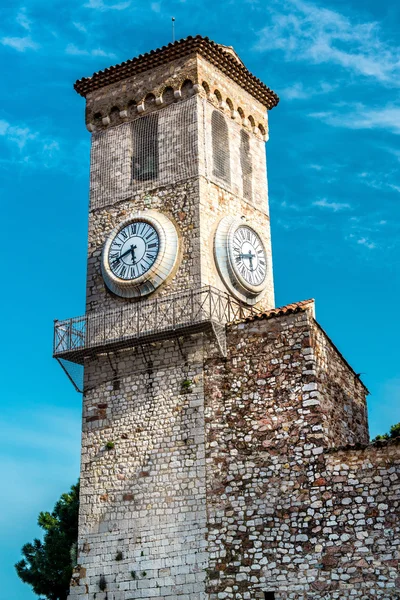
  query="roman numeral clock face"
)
[
  {"x": 249, "y": 259},
  {"x": 134, "y": 250},
  {"x": 241, "y": 259},
  {"x": 139, "y": 254}
]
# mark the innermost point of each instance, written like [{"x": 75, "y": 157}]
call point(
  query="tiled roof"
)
[
  {"x": 214, "y": 53},
  {"x": 283, "y": 310}
]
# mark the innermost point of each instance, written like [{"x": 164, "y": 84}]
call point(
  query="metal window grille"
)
[
  {"x": 152, "y": 151},
  {"x": 145, "y": 155},
  {"x": 220, "y": 146},
  {"x": 246, "y": 165},
  {"x": 185, "y": 139}
]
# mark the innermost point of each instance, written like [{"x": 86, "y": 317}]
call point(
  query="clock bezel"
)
[
  {"x": 223, "y": 251},
  {"x": 164, "y": 263}
]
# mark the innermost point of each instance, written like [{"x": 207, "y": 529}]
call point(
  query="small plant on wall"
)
[
  {"x": 110, "y": 445},
  {"x": 186, "y": 385}
]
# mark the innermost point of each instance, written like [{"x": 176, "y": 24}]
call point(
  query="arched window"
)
[
  {"x": 145, "y": 148},
  {"x": 220, "y": 147},
  {"x": 245, "y": 163}
]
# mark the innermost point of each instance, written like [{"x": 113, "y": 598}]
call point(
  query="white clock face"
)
[
  {"x": 241, "y": 258},
  {"x": 134, "y": 250},
  {"x": 249, "y": 260},
  {"x": 139, "y": 254}
]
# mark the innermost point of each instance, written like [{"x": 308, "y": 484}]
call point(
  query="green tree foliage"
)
[
  {"x": 393, "y": 433},
  {"x": 47, "y": 565}
]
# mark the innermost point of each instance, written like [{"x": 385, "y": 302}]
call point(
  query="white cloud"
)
[
  {"x": 358, "y": 116},
  {"x": 73, "y": 50},
  {"x": 23, "y": 20},
  {"x": 79, "y": 27},
  {"x": 335, "y": 206},
  {"x": 367, "y": 243},
  {"x": 20, "y": 43},
  {"x": 16, "y": 134},
  {"x": 306, "y": 32},
  {"x": 102, "y": 6},
  {"x": 297, "y": 91}
]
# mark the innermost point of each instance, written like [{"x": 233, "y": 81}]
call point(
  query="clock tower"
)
[
  {"x": 211, "y": 420},
  {"x": 179, "y": 245}
]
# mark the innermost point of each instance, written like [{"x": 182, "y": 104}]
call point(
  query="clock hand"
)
[
  {"x": 250, "y": 256},
  {"x": 122, "y": 255},
  {"x": 132, "y": 249}
]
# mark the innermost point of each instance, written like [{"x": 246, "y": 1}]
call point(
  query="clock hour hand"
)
[
  {"x": 132, "y": 250},
  {"x": 250, "y": 256}
]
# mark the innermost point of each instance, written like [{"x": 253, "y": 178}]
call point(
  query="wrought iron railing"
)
[{"x": 148, "y": 319}]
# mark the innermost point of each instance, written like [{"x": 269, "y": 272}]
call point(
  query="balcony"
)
[{"x": 185, "y": 313}]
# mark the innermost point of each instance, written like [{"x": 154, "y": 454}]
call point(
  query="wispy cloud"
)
[
  {"x": 21, "y": 44},
  {"x": 298, "y": 91},
  {"x": 73, "y": 50},
  {"x": 102, "y": 6},
  {"x": 79, "y": 27},
  {"x": 307, "y": 32},
  {"x": 359, "y": 116},
  {"x": 367, "y": 243},
  {"x": 22, "y": 19},
  {"x": 16, "y": 134},
  {"x": 334, "y": 206}
]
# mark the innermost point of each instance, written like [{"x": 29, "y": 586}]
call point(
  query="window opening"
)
[
  {"x": 145, "y": 156},
  {"x": 220, "y": 147},
  {"x": 245, "y": 163},
  {"x": 269, "y": 595}
]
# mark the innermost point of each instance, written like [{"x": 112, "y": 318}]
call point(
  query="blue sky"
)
[{"x": 333, "y": 162}]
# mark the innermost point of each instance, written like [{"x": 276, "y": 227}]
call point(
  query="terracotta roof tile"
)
[
  {"x": 283, "y": 310},
  {"x": 222, "y": 58}
]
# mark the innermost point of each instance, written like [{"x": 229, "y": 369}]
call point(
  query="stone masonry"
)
[{"x": 207, "y": 476}]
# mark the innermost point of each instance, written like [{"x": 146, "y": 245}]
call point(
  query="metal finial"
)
[{"x": 173, "y": 29}]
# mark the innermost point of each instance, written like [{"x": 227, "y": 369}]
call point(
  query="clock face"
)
[
  {"x": 242, "y": 259},
  {"x": 139, "y": 254},
  {"x": 248, "y": 254},
  {"x": 134, "y": 250}
]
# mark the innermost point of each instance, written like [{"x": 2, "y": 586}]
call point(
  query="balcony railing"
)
[{"x": 146, "y": 321}]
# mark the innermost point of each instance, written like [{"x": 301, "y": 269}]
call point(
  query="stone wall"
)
[
  {"x": 142, "y": 526},
  {"x": 285, "y": 513}
]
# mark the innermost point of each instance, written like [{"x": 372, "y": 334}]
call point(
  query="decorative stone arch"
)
[
  {"x": 187, "y": 88},
  {"x": 251, "y": 121},
  {"x": 149, "y": 101},
  {"x": 241, "y": 113},
  {"x": 217, "y": 95},
  {"x": 114, "y": 115},
  {"x": 263, "y": 131},
  {"x": 206, "y": 89},
  {"x": 132, "y": 108},
  {"x": 167, "y": 95},
  {"x": 97, "y": 119}
]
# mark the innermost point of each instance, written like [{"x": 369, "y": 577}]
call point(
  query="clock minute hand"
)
[{"x": 122, "y": 255}]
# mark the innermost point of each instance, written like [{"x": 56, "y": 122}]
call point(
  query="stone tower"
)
[{"x": 207, "y": 413}]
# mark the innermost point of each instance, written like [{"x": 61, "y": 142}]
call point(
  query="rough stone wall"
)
[
  {"x": 143, "y": 505},
  {"x": 342, "y": 395},
  {"x": 285, "y": 514}
]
